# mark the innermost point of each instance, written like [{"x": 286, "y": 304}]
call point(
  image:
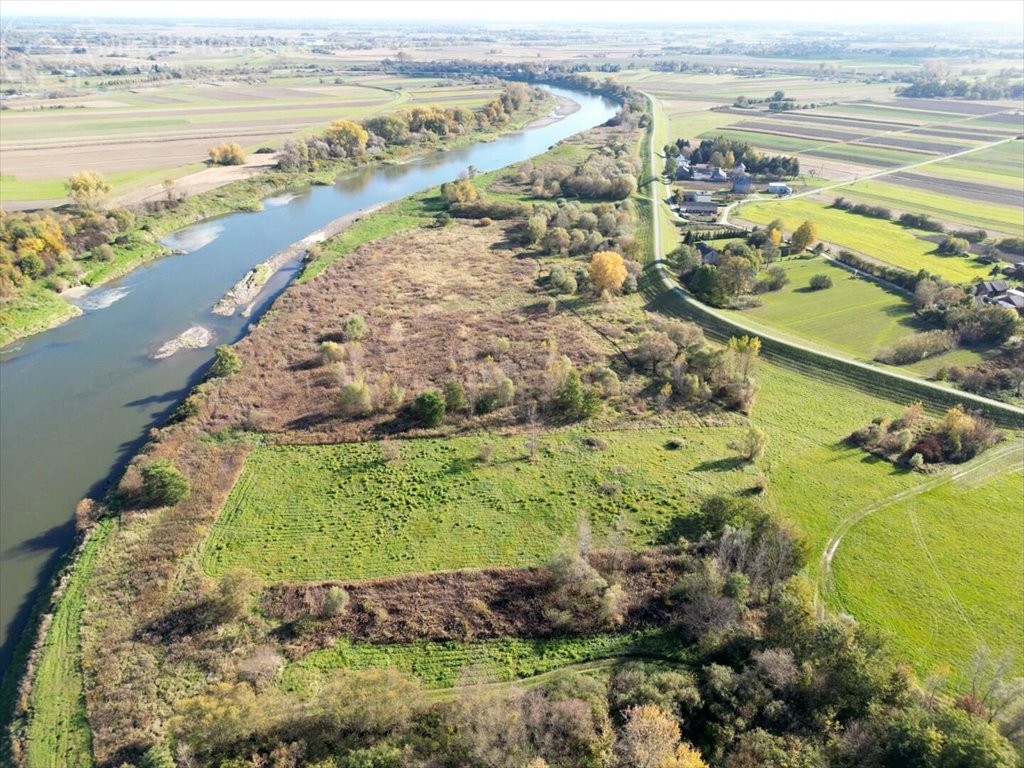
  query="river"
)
[{"x": 76, "y": 402}]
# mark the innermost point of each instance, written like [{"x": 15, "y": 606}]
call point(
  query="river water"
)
[{"x": 76, "y": 402}]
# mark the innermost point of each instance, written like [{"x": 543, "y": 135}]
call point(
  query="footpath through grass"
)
[
  {"x": 447, "y": 664},
  {"x": 344, "y": 512},
  {"x": 942, "y": 572},
  {"x": 882, "y": 240}
]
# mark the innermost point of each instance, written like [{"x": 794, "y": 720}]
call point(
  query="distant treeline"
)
[{"x": 954, "y": 87}]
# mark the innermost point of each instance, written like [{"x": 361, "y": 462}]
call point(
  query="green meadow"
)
[
  {"x": 344, "y": 512},
  {"x": 882, "y": 240},
  {"x": 855, "y": 316},
  {"x": 942, "y": 573}
]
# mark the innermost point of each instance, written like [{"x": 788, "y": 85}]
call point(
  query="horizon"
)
[{"x": 601, "y": 12}]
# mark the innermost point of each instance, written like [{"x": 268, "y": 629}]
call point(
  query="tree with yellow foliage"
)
[
  {"x": 805, "y": 236},
  {"x": 88, "y": 188},
  {"x": 346, "y": 139},
  {"x": 685, "y": 757},
  {"x": 227, "y": 154},
  {"x": 775, "y": 236},
  {"x": 607, "y": 271},
  {"x": 650, "y": 738}
]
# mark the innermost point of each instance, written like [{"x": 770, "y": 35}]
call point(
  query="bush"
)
[
  {"x": 227, "y": 154},
  {"x": 355, "y": 399},
  {"x": 429, "y": 408},
  {"x": 918, "y": 346},
  {"x": 103, "y": 253},
  {"x": 226, "y": 362},
  {"x": 332, "y": 352},
  {"x": 772, "y": 279},
  {"x": 954, "y": 246},
  {"x": 163, "y": 485},
  {"x": 454, "y": 397},
  {"x": 354, "y": 328},
  {"x": 916, "y": 462},
  {"x": 820, "y": 282},
  {"x": 336, "y": 602}
]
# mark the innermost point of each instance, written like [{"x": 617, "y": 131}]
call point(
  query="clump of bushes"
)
[
  {"x": 917, "y": 347},
  {"x": 227, "y": 154},
  {"x": 163, "y": 484},
  {"x": 916, "y": 441},
  {"x": 226, "y": 362},
  {"x": 820, "y": 282}
]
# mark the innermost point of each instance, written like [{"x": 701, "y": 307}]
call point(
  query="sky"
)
[{"x": 1005, "y": 12}]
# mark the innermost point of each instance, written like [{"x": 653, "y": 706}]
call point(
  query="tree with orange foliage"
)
[{"x": 607, "y": 271}]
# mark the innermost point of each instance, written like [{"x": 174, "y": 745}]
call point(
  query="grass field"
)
[
  {"x": 443, "y": 665},
  {"x": 970, "y": 213},
  {"x": 858, "y": 317},
  {"x": 957, "y": 580},
  {"x": 58, "y": 733},
  {"x": 37, "y": 309},
  {"x": 882, "y": 240},
  {"x": 343, "y": 512}
]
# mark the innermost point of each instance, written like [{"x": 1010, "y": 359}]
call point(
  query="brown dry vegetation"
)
[
  {"x": 440, "y": 304},
  {"x": 466, "y": 605},
  {"x": 436, "y": 302}
]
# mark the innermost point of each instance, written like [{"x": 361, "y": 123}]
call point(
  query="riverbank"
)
[
  {"x": 246, "y": 290},
  {"x": 36, "y": 308}
]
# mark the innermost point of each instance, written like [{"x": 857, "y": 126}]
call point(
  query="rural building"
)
[
  {"x": 779, "y": 188},
  {"x": 999, "y": 293},
  {"x": 708, "y": 255},
  {"x": 742, "y": 182},
  {"x": 705, "y": 172},
  {"x": 698, "y": 202},
  {"x": 682, "y": 168}
]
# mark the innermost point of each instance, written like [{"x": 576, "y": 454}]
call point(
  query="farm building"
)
[
  {"x": 779, "y": 188},
  {"x": 705, "y": 172},
  {"x": 697, "y": 202},
  {"x": 999, "y": 293},
  {"x": 742, "y": 182},
  {"x": 708, "y": 255}
]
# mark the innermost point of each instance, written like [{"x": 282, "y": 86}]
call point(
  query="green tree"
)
[
  {"x": 226, "y": 362},
  {"x": 805, "y": 236},
  {"x": 706, "y": 285},
  {"x": 163, "y": 485},
  {"x": 454, "y": 397},
  {"x": 354, "y": 328},
  {"x": 429, "y": 408}
]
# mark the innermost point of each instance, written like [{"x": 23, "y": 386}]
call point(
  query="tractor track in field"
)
[{"x": 824, "y": 582}]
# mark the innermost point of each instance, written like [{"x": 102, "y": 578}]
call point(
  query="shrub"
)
[
  {"x": 820, "y": 282},
  {"x": 607, "y": 271},
  {"x": 336, "y": 602},
  {"x": 355, "y": 399},
  {"x": 428, "y": 408},
  {"x": 773, "y": 279},
  {"x": 227, "y": 154},
  {"x": 332, "y": 352},
  {"x": 103, "y": 253},
  {"x": 163, "y": 485},
  {"x": 954, "y": 246},
  {"x": 354, "y": 328},
  {"x": 916, "y": 462},
  {"x": 918, "y": 346},
  {"x": 454, "y": 397},
  {"x": 226, "y": 362}
]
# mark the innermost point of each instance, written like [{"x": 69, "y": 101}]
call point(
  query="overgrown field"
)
[
  {"x": 882, "y": 240},
  {"x": 344, "y": 512},
  {"x": 942, "y": 573},
  {"x": 444, "y": 665}
]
